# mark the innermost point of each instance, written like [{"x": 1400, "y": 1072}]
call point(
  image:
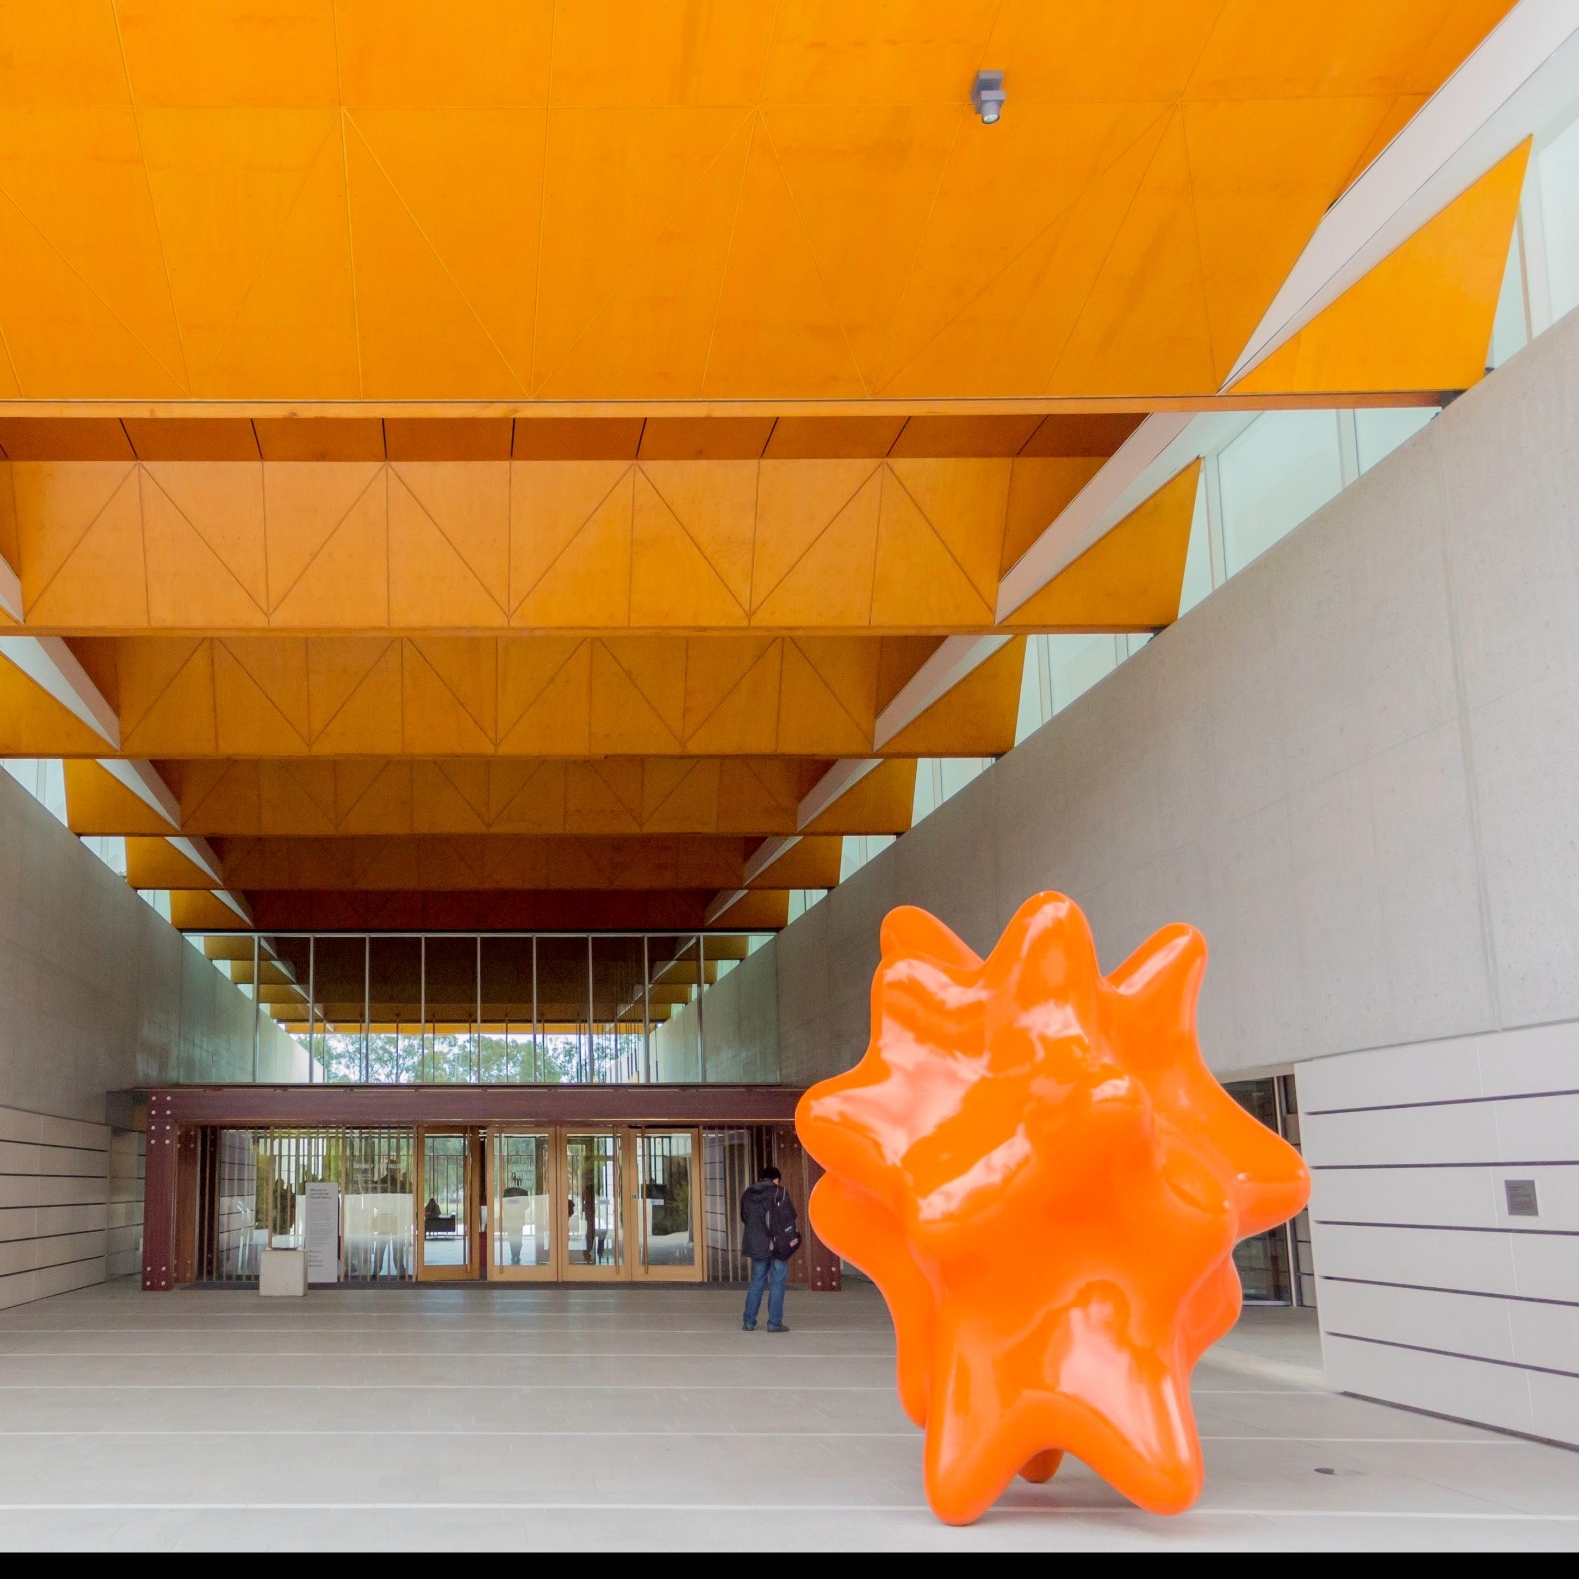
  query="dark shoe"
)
[
  {"x": 778, "y": 1329},
  {"x": 745, "y": 1328}
]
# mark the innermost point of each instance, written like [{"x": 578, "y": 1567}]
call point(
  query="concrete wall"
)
[
  {"x": 1433, "y": 1293},
  {"x": 739, "y": 1029},
  {"x": 97, "y": 994},
  {"x": 1355, "y": 768}
]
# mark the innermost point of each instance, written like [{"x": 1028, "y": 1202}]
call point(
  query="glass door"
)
[
  {"x": 594, "y": 1236},
  {"x": 524, "y": 1227},
  {"x": 664, "y": 1205},
  {"x": 447, "y": 1187}
]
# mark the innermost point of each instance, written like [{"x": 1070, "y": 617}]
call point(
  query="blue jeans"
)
[{"x": 761, "y": 1273}]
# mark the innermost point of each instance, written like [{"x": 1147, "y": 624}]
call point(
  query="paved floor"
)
[{"x": 644, "y": 1418}]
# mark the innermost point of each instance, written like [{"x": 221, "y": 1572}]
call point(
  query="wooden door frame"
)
[
  {"x": 696, "y": 1272},
  {"x": 472, "y": 1270},
  {"x": 496, "y": 1271}
]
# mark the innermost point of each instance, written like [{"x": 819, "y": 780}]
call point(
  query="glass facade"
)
[{"x": 491, "y": 1009}]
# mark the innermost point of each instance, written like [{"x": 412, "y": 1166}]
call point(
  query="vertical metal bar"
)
[
  {"x": 646, "y": 1014},
  {"x": 422, "y": 1007},
  {"x": 536, "y": 1068},
  {"x": 477, "y": 1023},
  {"x": 312, "y": 1004},
  {"x": 591, "y": 1072},
  {"x": 367, "y": 1009},
  {"x": 257, "y": 1008},
  {"x": 1290, "y": 1239},
  {"x": 701, "y": 987}
]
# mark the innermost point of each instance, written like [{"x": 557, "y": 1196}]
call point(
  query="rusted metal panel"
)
[{"x": 159, "y": 1171}]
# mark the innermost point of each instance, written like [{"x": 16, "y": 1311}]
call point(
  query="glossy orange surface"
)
[{"x": 1036, "y": 1167}]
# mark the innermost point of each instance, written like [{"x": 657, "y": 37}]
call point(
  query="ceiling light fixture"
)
[{"x": 988, "y": 96}]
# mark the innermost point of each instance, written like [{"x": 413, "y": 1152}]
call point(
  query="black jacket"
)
[{"x": 764, "y": 1207}]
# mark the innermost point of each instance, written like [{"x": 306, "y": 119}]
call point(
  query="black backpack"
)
[{"x": 783, "y": 1234}]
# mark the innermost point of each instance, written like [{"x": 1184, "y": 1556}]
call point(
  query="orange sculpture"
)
[{"x": 1046, "y": 1182}]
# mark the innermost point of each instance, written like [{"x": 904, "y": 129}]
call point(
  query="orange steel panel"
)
[
  {"x": 1090, "y": 433},
  {"x": 1039, "y": 490},
  {"x": 192, "y": 439},
  {"x": 704, "y": 438},
  {"x": 320, "y": 438},
  {"x": 934, "y": 436},
  {"x": 882, "y": 802},
  {"x": 476, "y": 696},
  {"x": 759, "y": 909},
  {"x": 811, "y": 862},
  {"x": 976, "y": 718},
  {"x": 576, "y": 438},
  {"x": 468, "y": 862},
  {"x": 64, "y": 438},
  {"x": 1425, "y": 310},
  {"x": 156, "y": 863},
  {"x": 97, "y": 802},
  {"x": 452, "y": 439},
  {"x": 464, "y": 546},
  {"x": 1132, "y": 577},
  {"x": 681, "y": 201},
  {"x": 194, "y": 910},
  {"x": 832, "y": 438}
]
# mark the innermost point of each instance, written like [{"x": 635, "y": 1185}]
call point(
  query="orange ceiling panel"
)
[
  {"x": 65, "y": 439},
  {"x": 97, "y": 802},
  {"x": 881, "y": 802},
  {"x": 301, "y": 199},
  {"x": 1131, "y": 577},
  {"x": 156, "y": 863},
  {"x": 1424, "y": 312},
  {"x": 976, "y": 718}
]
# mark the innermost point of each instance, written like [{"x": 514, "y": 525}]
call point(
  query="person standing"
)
[{"x": 771, "y": 1237}]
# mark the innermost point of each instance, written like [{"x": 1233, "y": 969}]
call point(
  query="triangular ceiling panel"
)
[
  {"x": 304, "y": 503},
  {"x": 104, "y": 572},
  {"x": 746, "y": 718},
  {"x": 248, "y": 722},
  {"x": 78, "y": 176},
  {"x": 977, "y": 718},
  {"x": 346, "y": 583},
  {"x": 831, "y": 582},
  {"x": 812, "y": 720},
  {"x": 616, "y": 178},
  {"x": 796, "y": 501},
  {"x": 716, "y": 503},
  {"x": 651, "y": 335},
  {"x": 189, "y": 585},
  {"x": 225, "y": 184},
  {"x": 418, "y": 333},
  {"x": 1421, "y": 319},
  {"x": 588, "y": 583},
  {"x": 429, "y": 582},
  {"x": 672, "y": 582},
  {"x": 1131, "y": 578},
  {"x": 180, "y": 719},
  {"x": 55, "y": 507},
  {"x": 470, "y": 670},
  {"x": 434, "y": 714},
  {"x": 1143, "y": 329},
  {"x": 775, "y": 331},
  {"x": 964, "y": 502},
  {"x": 623, "y": 718},
  {"x": 223, "y": 503},
  {"x": 472, "y": 182},
  {"x": 337, "y": 668},
  {"x": 550, "y": 502},
  {"x": 918, "y": 581},
  {"x": 469, "y": 502},
  {"x": 545, "y": 689},
  {"x": 374, "y": 797},
  {"x": 304, "y": 284},
  {"x": 999, "y": 195}
]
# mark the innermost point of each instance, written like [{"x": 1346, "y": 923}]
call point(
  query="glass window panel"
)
[
  {"x": 668, "y": 1222},
  {"x": 338, "y": 985},
  {"x": 395, "y": 991},
  {"x": 505, "y": 1040},
  {"x": 1198, "y": 559},
  {"x": 446, "y": 1199},
  {"x": 524, "y": 1215},
  {"x": 562, "y": 1001},
  {"x": 1510, "y": 330},
  {"x": 617, "y": 1009},
  {"x": 1379, "y": 432},
  {"x": 451, "y": 984},
  {"x": 593, "y": 1176},
  {"x": 1076, "y": 664},
  {"x": 673, "y": 961},
  {"x": 1283, "y": 467},
  {"x": 1559, "y": 183},
  {"x": 377, "y": 1205}
]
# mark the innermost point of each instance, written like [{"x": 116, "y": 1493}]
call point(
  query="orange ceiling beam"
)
[{"x": 301, "y": 199}]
